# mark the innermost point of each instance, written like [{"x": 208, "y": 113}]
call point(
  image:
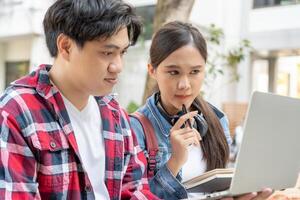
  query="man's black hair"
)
[{"x": 86, "y": 20}]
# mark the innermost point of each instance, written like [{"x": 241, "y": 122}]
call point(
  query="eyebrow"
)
[
  {"x": 176, "y": 66},
  {"x": 113, "y": 46}
]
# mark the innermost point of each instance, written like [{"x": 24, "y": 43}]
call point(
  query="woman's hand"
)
[
  {"x": 264, "y": 194},
  {"x": 180, "y": 139}
]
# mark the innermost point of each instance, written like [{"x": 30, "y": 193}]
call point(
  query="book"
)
[{"x": 211, "y": 181}]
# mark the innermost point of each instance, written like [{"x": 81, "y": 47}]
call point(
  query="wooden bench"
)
[{"x": 235, "y": 112}]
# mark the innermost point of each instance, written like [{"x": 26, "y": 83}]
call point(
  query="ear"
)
[
  {"x": 151, "y": 71},
  {"x": 64, "y": 44}
]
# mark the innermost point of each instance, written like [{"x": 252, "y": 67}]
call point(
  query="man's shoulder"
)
[
  {"x": 17, "y": 95},
  {"x": 21, "y": 90}
]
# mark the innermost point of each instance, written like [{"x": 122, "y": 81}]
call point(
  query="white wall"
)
[
  {"x": 228, "y": 16},
  {"x": 39, "y": 53},
  {"x": 274, "y": 18},
  {"x": 133, "y": 77},
  {"x": 18, "y": 49},
  {"x": 24, "y": 18},
  {"x": 206, "y": 12}
]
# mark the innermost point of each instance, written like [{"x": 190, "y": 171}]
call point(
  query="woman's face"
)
[{"x": 179, "y": 77}]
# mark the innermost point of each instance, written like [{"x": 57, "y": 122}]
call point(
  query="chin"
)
[{"x": 102, "y": 93}]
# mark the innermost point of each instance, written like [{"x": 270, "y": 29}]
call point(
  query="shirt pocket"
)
[
  {"x": 50, "y": 141},
  {"x": 55, "y": 160}
]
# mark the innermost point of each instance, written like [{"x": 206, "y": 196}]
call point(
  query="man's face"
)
[{"x": 94, "y": 68}]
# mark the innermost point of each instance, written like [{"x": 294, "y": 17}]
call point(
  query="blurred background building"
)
[
  {"x": 272, "y": 26},
  {"x": 22, "y": 45}
]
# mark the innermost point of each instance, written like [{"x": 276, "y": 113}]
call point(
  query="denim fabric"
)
[{"x": 164, "y": 184}]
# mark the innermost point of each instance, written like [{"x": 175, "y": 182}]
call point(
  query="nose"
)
[
  {"x": 116, "y": 65},
  {"x": 184, "y": 83}
]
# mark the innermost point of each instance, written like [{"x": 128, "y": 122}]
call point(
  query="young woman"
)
[{"x": 177, "y": 61}]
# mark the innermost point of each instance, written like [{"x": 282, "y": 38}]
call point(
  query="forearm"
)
[
  {"x": 173, "y": 166},
  {"x": 166, "y": 186}
]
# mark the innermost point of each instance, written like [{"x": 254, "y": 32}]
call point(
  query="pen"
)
[{"x": 184, "y": 112}]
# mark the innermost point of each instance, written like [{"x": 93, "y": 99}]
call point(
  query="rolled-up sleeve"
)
[{"x": 163, "y": 184}]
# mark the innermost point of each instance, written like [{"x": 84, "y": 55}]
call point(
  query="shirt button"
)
[
  {"x": 88, "y": 188},
  {"x": 53, "y": 144}
]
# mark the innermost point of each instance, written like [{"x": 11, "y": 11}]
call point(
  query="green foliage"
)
[
  {"x": 220, "y": 59},
  {"x": 215, "y": 34},
  {"x": 132, "y": 106}
]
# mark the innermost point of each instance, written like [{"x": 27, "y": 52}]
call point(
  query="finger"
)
[
  {"x": 192, "y": 121},
  {"x": 247, "y": 196},
  {"x": 183, "y": 119},
  {"x": 188, "y": 142},
  {"x": 196, "y": 138},
  {"x": 198, "y": 141},
  {"x": 197, "y": 134},
  {"x": 180, "y": 131},
  {"x": 187, "y": 135},
  {"x": 265, "y": 193}
]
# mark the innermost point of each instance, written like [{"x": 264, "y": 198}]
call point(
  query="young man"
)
[{"x": 62, "y": 135}]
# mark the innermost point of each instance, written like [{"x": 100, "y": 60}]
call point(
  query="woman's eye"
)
[{"x": 173, "y": 72}]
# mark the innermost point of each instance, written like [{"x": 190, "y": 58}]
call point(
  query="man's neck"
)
[{"x": 64, "y": 84}]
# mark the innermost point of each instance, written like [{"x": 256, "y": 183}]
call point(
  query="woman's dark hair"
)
[
  {"x": 86, "y": 20},
  {"x": 168, "y": 39}
]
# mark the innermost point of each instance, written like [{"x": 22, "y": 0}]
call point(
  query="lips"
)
[
  {"x": 111, "y": 80},
  {"x": 182, "y": 96}
]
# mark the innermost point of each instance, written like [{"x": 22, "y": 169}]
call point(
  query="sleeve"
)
[
  {"x": 17, "y": 162},
  {"x": 225, "y": 124},
  {"x": 135, "y": 183},
  {"x": 163, "y": 184}
]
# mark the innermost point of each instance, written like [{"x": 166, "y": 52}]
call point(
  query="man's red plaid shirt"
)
[{"x": 39, "y": 153}]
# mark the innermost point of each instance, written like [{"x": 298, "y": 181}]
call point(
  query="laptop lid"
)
[{"x": 270, "y": 151}]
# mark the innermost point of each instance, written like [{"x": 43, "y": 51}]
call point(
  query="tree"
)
[{"x": 166, "y": 11}]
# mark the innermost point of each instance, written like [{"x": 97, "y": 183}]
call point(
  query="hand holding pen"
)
[
  {"x": 180, "y": 140},
  {"x": 189, "y": 124}
]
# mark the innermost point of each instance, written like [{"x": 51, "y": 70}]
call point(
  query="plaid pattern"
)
[{"x": 39, "y": 154}]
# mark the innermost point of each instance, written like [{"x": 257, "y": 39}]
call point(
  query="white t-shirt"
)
[
  {"x": 87, "y": 129},
  {"x": 195, "y": 164}
]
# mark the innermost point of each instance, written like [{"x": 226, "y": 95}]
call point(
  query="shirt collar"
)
[{"x": 40, "y": 80}]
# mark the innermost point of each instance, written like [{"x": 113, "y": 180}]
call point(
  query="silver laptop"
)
[{"x": 270, "y": 151}]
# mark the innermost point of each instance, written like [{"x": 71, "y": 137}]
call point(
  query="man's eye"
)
[
  {"x": 107, "y": 53},
  {"x": 196, "y": 71},
  {"x": 124, "y": 52}
]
